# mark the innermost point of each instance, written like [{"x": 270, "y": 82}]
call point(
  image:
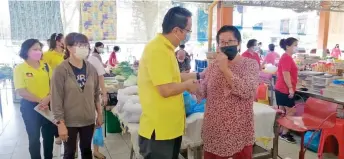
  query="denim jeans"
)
[{"x": 35, "y": 124}]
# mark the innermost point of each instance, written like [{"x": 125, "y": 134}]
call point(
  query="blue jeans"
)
[{"x": 34, "y": 123}]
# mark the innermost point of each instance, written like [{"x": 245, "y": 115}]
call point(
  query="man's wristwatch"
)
[{"x": 198, "y": 77}]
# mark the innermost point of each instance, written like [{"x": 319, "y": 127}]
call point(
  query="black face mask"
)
[{"x": 230, "y": 51}]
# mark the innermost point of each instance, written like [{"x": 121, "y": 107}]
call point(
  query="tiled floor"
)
[{"x": 14, "y": 141}]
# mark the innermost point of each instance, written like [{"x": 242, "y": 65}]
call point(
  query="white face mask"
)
[
  {"x": 295, "y": 49},
  {"x": 100, "y": 50},
  {"x": 81, "y": 52},
  {"x": 256, "y": 48}
]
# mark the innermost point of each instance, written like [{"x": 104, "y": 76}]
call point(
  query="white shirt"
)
[{"x": 97, "y": 64}]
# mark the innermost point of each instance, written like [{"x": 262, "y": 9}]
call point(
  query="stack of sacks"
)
[
  {"x": 124, "y": 95},
  {"x": 132, "y": 111}
]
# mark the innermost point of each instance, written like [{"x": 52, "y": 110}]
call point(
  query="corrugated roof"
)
[{"x": 299, "y": 5}]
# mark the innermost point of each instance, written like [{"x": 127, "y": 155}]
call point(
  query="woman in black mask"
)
[{"x": 229, "y": 86}]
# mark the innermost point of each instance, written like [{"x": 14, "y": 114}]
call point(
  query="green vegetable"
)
[{"x": 123, "y": 69}]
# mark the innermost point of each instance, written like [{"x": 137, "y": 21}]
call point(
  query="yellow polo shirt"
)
[
  {"x": 53, "y": 58},
  {"x": 165, "y": 116},
  {"x": 35, "y": 81}
]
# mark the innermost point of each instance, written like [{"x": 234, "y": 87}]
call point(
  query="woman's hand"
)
[
  {"x": 63, "y": 132},
  {"x": 222, "y": 62},
  {"x": 105, "y": 99},
  {"x": 291, "y": 93},
  {"x": 45, "y": 101},
  {"x": 99, "y": 121}
]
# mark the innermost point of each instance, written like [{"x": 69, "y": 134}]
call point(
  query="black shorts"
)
[{"x": 284, "y": 100}]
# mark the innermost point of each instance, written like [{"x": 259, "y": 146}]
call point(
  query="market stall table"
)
[{"x": 264, "y": 120}]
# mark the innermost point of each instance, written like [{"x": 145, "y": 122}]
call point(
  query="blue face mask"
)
[{"x": 187, "y": 38}]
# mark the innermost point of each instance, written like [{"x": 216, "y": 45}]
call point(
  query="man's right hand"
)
[{"x": 192, "y": 85}]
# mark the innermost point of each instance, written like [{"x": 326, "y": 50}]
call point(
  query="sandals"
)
[{"x": 99, "y": 155}]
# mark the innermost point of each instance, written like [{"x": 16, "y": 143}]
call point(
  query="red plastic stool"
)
[{"x": 338, "y": 132}]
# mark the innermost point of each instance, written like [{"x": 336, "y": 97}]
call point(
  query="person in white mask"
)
[
  {"x": 251, "y": 52},
  {"x": 98, "y": 49},
  {"x": 75, "y": 97},
  {"x": 286, "y": 82}
]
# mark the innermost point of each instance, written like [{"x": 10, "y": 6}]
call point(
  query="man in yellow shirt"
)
[
  {"x": 162, "y": 122},
  {"x": 54, "y": 56}
]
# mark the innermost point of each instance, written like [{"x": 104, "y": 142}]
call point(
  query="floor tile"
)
[
  {"x": 6, "y": 149},
  {"x": 113, "y": 136},
  {"x": 117, "y": 147},
  {"x": 120, "y": 156},
  {"x": 7, "y": 156}
]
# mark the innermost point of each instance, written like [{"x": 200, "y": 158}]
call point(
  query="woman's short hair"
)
[
  {"x": 25, "y": 47},
  {"x": 116, "y": 48},
  {"x": 228, "y": 28},
  {"x": 287, "y": 42},
  {"x": 53, "y": 38},
  {"x": 251, "y": 43},
  {"x": 97, "y": 44},
  {"x": 271, "y": 47},
  {"x": 73, "y": 39}
]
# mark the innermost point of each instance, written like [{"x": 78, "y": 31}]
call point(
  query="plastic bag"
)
[
  {"x": 262, "y": 93},
  {"x": 98, "y": 138},
  {"x": 314, "y": 144},
  {"x": 191, "y": 105}
]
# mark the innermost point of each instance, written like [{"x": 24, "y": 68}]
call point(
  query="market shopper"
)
[
  {"x": 32, "y": 83},
  {"x": 272, "y": 56},
  {"x": 286, "y": 82},
  {"x": 113, "y": 58},
  {"x": 97, "y": 64},
  {"x": 54, "y": 56},
  {"x": 98, "y": 49},
  {"x": 229, "y": 86},
  {"x": 183, "y": 61},
  {"x": 75, "y": 97},
  {"x": 162, "y": 122},
  {"x": 251, "y": 52},
  {"x": 336, "y": 52}
]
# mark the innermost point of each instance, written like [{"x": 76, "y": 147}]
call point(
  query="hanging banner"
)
[
  {"x": 284, "y": 27},
  {"x": 202, "y": 26},
  {"x": 99, "y": 20},
  {"x": 34, "y": 19}
]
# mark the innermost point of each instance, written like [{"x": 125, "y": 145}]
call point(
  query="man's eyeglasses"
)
[{"x": 228, "y": 43}]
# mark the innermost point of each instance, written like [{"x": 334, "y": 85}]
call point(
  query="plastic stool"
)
[{"x": 338, "y": 132}]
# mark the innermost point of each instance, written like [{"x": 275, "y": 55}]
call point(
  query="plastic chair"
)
[
  {"x": 318, "y": 114},
  {"x": 338, "y": 132}
]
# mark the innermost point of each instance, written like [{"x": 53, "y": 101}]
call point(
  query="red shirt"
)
[
  {"x": 113, "y": 59},
  {"x": 271, "y": 58},
  {"x": 253, "y": 56},
  {"x": 286, "y": 64}
]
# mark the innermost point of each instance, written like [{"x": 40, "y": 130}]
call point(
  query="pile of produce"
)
[{"x": 123, "y": 69}]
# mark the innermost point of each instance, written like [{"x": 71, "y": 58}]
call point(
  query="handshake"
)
[{"x": 192, "y": 85}]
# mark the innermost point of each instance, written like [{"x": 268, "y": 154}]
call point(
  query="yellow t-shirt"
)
[
  {"x": 165, "y": 116},
  {"x": 53, "y": 58},
  {"x": 35, "y": 81}
]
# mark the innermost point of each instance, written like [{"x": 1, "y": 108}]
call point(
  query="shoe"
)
[{"x": 288, "y": 138}]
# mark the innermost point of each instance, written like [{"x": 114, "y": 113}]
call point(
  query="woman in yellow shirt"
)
[
  {"x": 54, "y": 56},
  {"x": 32, "y": 83}
]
